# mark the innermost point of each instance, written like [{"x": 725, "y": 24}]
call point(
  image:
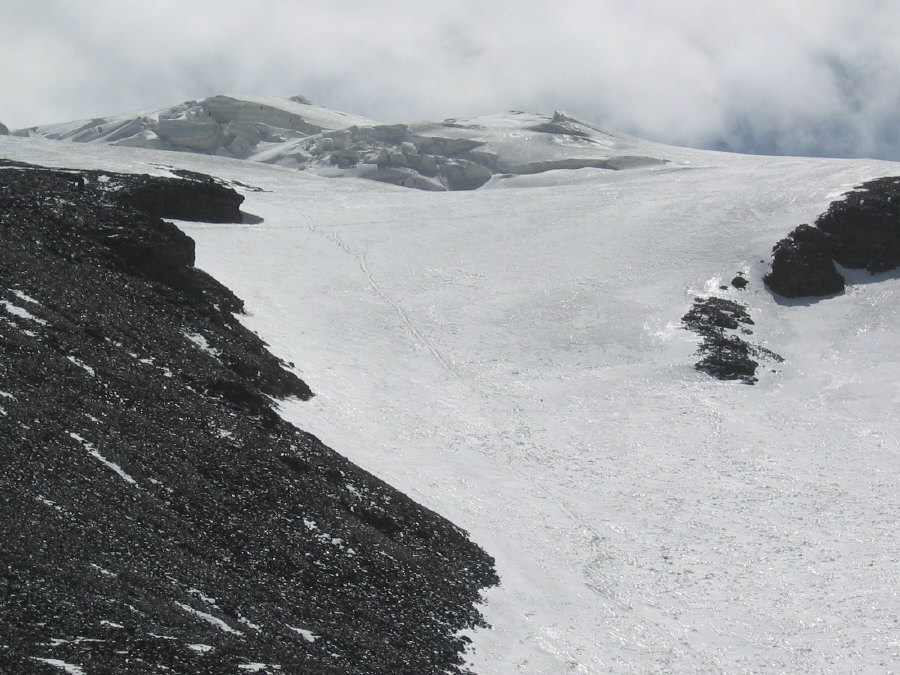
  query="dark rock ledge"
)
[{"x": 156, "y": 515}]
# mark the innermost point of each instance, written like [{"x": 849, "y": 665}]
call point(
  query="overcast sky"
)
[{"x": 812, "y": 77}]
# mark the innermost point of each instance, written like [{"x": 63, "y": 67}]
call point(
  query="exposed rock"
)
[
  {"x": 739, "y": 282},
  {"x": 862, "y": 230},
  {"x": 156, "y": 513},
  {"x": 864, "y": 226},
  {"x": 727, "y": 357},
  {"x": 723, "y": 354},
  {"x": 562, "y": 125},
  {"x": 192, "y": 196},
  {"x": 560, "y": 129},
  {"x": 713, "y": 314},
  {"x": 4, "y": 130},
  {"x": 802, "y": 265}
]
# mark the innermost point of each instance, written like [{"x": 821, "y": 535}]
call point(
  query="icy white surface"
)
[
  {"x": 93, "y": 452},
  {"x": 61, "y": 665},
  {"x": 209, "y": 618},
  {"x": 512, "y": 358},
  {"x": 257, "y": 667},
  {"x": 202, "y": 344},
  {"x": 200, "y": 648},
  {"x": 21, "y": 312},
  {"x": 305, "y": 634},
  {"x": 453, "y": 154},
  {"x": 232, "y": 126},
  {"x": 81, "y": 364}
]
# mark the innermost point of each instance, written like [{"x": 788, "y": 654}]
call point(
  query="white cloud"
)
[{"x": 805, "y": 77}]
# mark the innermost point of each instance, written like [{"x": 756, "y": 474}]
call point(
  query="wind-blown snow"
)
[
  {"x": 307, "y": 635},
  {"x": 61, "y": 665},
  {"x": 21, "y": 312},
  {"x": 93, "y": 452},
  {"x": 209, "y": 618},
  {"x": 513, "y": 359}
]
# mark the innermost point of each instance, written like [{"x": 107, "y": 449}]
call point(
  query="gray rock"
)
[{"x": 803, "y": 265}]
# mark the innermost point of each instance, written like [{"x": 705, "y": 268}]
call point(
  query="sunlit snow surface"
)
[{"x": 512, "y": 358}]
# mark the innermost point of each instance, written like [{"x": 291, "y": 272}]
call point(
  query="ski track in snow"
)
[
  {"x": 364, "y": 266},
  {"x": 597, "y": 581}
]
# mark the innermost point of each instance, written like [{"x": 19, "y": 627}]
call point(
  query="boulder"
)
[{"x": 803, "y": 265}]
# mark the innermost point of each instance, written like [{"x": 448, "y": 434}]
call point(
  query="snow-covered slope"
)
[
  {"x": 513, "y": 358},
  {"x": 219, "y": 125}
]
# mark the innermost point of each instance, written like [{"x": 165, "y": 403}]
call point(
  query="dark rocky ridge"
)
[
  {"x": 151, "y": 500},
  {"x": 860, "y": 231}
]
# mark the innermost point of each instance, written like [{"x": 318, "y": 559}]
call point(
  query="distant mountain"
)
[{"x": 449, "y": 155}]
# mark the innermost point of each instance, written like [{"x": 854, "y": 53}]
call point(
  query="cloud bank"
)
[{"x": 809, "y": 77}]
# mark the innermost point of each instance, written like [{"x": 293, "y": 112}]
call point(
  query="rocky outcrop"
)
[
  {"x": 860, "y": 231},
  {"x": 803, "y": 265},
  {"x": 156, "y": 513},
  {"x": 724, "y": 351},
  {"x": 562, "y": 125},
  {"x": 863, "y": 228},
  {"x": 4, "y": 130},
  {"x": 191, "y": 196},
  {"x": 739, "y": 281}
]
